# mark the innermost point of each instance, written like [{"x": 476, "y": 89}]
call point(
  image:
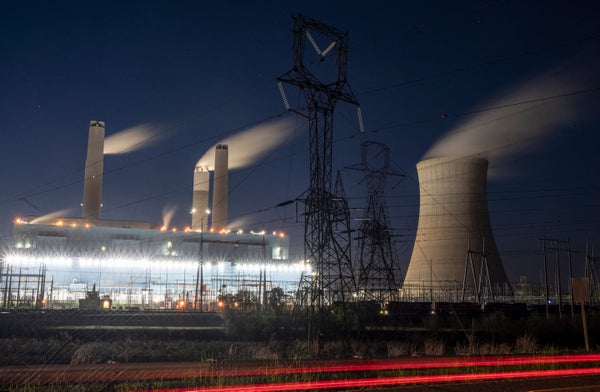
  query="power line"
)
[{"x": 482, "y": 64}]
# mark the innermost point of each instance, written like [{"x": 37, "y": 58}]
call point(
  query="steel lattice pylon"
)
[
  {"x": 379, "y": 273},
  {"x": 327, "y": 234}
]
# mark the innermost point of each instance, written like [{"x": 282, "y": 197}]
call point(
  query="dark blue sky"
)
[{"x": 199, "y": 72}]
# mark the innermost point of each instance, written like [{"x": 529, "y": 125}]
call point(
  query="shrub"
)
[
  {"x": 434, "y": 347},
  {"x": 397, "y": 349},
  {"x": 526, "y": 344}
]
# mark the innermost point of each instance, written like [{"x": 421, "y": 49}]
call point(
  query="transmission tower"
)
[
  {"x": 379, "y": 274},
  {"x": 326, "y": 228}
]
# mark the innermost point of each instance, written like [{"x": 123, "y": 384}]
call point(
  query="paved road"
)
[
  {"x": 510, "y": 373},
  {"x": 550, "y": 384}
]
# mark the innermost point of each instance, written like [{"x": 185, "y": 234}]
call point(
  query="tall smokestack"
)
[
  {"x": 200, "y": 198},
  {"x": 220, "y": 187},
  {"x": 448, "y": 257},
  {"x": 94, "y": 165}
]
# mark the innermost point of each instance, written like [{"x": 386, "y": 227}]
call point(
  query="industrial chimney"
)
[
  {"x": 220, "y": 187},
  {"x": 454, "y": 256},
  {"x": 200, "y": 210},
  {"x": 94, "y": 165}
]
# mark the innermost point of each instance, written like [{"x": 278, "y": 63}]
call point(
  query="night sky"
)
[{"x": 522, "y": 74}]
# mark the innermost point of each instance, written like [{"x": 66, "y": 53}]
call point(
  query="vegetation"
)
[{"x": 275, "y": 334}]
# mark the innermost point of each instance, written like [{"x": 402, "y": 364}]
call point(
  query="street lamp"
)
[{"x": 200, "y": 271}]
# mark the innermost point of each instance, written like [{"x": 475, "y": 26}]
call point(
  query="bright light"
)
[{"x": 424, "y": 363}]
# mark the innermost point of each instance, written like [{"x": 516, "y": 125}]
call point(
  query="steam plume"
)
[
  {"x": 167, "y": 214},
  {"x": 48, "y": 217},
  {"x": 499, "y": 133},
  {"x": 248, "y": 146},
  {"x": 131, "y": 139}
]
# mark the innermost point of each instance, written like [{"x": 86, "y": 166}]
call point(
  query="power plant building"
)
[
  {"x": 454, "y": 256},
  {"x": 140, "y": 266},
  {"x": 59, "y": 260}
]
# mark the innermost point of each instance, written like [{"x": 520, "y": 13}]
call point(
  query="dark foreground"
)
[{"x": 494, "y": 373}]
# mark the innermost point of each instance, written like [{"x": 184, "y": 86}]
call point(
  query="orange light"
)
[
  {"x": 174, "y": 229},
  {"x": 87, "y": 225},
  {"x": 164, "y": 228},
  {"x": 220, "y": 304}
]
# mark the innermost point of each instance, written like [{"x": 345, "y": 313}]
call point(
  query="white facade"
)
[{"x": 145, "y": 267}]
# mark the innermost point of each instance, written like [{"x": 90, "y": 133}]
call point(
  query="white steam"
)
[
  {"x": 49, "y": 217},
  {"x": 523, "y": 116},
  {"x": 131, "y": 139},
  {"x": 167, "y": 214},
  {"x": 248, "y": 146}
]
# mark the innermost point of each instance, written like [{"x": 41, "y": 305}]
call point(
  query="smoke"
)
[
  {"x": 248, "y": 146},
  {"x": 131, "y": 139},
  {"x": 48, "y": 217},
  {"x": 239, "y": 222},
  {"x": 511, "y": 128},
  {"x": 167, "y": 214}
]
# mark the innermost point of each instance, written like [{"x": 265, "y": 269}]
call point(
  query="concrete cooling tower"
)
[
  {"x": 94, "y": 166},
  {"x": 454, "y": 256}
]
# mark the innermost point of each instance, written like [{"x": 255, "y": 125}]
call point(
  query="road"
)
[{"x": 513, "y": 373}]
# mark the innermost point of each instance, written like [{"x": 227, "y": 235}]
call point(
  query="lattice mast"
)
[
  {"x": 327, "y": 234},
  {"x": 379, "y": 273}
]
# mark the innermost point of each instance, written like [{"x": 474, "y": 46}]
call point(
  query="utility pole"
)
[
  {"x": 557, "y": 249},
  {"x": 591, "y": 271},
  {"x": 326, "y": 226}
]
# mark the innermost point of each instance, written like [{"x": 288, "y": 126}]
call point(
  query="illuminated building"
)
[
  {"x": 56, "y": 261},
  {"x": 140, "y": 266}
]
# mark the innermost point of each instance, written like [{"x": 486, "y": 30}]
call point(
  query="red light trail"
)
[
  {"x": 389, "y": 381},
  {"x": 425, "y": 363}
]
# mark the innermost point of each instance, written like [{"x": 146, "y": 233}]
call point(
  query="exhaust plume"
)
[
  {"x": 248, "y": 146},
  {"x": 496, "y": 134},
  {"x": 131, "y": 139},
  {"x": 167, "y": 214},
  {"x": 48, "y": 217}
]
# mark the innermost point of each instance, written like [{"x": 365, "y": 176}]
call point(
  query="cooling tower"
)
[
  {"x": 200, "y": 210},
  {"x": 94, "y": 165},
  {"x": 220, "y": 187},
  {"x": 454, "y": 255}
]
